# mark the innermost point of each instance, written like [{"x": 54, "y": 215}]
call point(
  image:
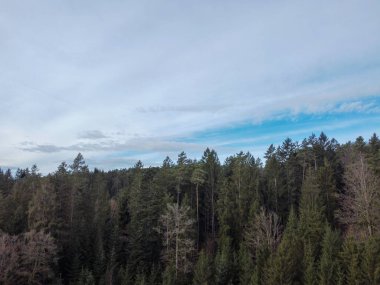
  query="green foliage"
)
[
  {"x": 371, "y": 261},
  {"x": 224, "y": 262},
  {"x": 276, "y": 223},
  {"x": 169, "y": 276},
  {"x": 283, "y": 266},
  {"x": 140, "y": 279},
  {"x": 328, "y": 191},
  {"x": 351, "y": 262},
  {"x": 124, "y": 277},
  {"x": 86, "y": 278},
  {"x": 202, "y": 271},
  {"x": 246, "y": 266},
  {"x": 329, "y": 266},
  {"x": 309, "y": 266},
  {"x": 145, "y": 204},
  {"x": 79, "y": 165},
  {"x": 41, "y": 212},
  {"x": 312, "y": 219}
]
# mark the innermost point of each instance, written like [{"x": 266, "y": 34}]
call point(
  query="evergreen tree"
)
[
  {"x": 86, "y": 278},
  {"x": 124, "y": 277},
  {"x": 374, "y": 154},
  {"x": 328, "y": 191},
  {"x": 276, "y": 192},
  {"x": 352, "y": 272},
  {"x": 198, "y": 178},
  {"x": 145, "y": 209},
  {"x": 311, "y": 214},
  {"x": 329, "y": 264},
  {"x": 211, "y": 166},
  {"x": 283, "y": 266},
  {"x": 371, "y": 261},
  {"x": 169, "y": 276},
  {"x": 137, "y": 225},
  {"x": 309, "y": 266},
  {"x": 202, "y": 271},
  {"x": 41, "y": 212},
  {"x": 246, "y": 266},
  {"x": 224, "y": 262}
]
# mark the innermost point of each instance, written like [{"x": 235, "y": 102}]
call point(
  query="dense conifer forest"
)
[{"x": 308, "y": 214}]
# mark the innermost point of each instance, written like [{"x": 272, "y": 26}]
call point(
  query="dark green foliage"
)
[
  {"x": 352, "y": 272},
  {"x": 312, "y": 219},
  {"x": 169, "y": 277},
  {"x": 86, "y": 278},
  {"x": 124, "y": 277},
  {"x": 309, "y": 266},
  {"x": 284, "y": 265},
  {"x": 303, "y": 217},
  {"x": 329, "y": 265},
  {"x": 371, "y": 261},
  {"x": 246, "y": 266},
  {"x": 328, "y": 191},
  {"x": 223, "y": 262},
  {"x": 203, "y": 270}
]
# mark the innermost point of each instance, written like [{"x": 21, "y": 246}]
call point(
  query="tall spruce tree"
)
[
  {"x": 283, "y": 267},
  {"x": 329, "y": 262}
]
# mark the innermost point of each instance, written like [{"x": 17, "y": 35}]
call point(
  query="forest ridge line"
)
[{"x": 309, "y": 214}]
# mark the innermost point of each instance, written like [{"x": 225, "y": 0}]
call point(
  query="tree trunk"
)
[{"x": 197, "y": 214}]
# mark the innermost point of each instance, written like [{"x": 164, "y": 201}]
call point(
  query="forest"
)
[{"x": 308, "y": 213}]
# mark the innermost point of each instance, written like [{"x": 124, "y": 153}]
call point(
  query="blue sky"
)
[{"x": 121, "y": 81}]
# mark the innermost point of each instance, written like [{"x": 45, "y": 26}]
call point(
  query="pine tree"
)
[
  {"x": 140, "y": 279},
  {"x": 224, "y": 262},
  {"x": 351, "y": 263},
  {"x": 145, "y": 205},
  {"x": 79, "y": 164},
  {"x": 202, "y": 271},
  {"x": 86, "y": 278},
  {"x": 329, "y": 265},
  {"x": 276, "y": 189},
  {"x": 328, "y": 190},
  {"x": 309, "y": 266},
  {"x": 42, "y": 209},
  {"x": 374, "y": 154},
  {"x": 371, "y": 261},
  {"x": 124, "y": 277},
  {"x": 311, "y": 214},
  {"x": 283, "y": 266},
  {"x": 169, "y": 276},
  {"x": 246, "y": 266},
  {"x": 198, "y": 178},
  {"x": 211, "y": 166}
]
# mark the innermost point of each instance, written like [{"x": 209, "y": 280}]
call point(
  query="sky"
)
[{"x": 121, "y": 81}]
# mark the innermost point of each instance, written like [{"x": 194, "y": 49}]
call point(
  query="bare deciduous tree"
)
[
  {"x": 176, "y": 228},
  {"x": 9, "y": 258},
  {"x": 264, "y": 232},
  {"x": 27, "y": 258},
  {"x": 361, "y": 200}
]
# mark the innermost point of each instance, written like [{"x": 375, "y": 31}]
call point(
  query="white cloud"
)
[{"x": 117, "y": 70}]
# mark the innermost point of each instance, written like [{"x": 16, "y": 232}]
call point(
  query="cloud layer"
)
[{"x": 109, "y": 77}]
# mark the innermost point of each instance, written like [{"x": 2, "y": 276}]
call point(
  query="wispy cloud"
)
[
  {"x": 93, "y": 134},
  {"x": 357, "y": 106},
  {"x": 114, "y": 75},
  {"x": 137, "y": 145},
  {"x": 182, "y": 109}
]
